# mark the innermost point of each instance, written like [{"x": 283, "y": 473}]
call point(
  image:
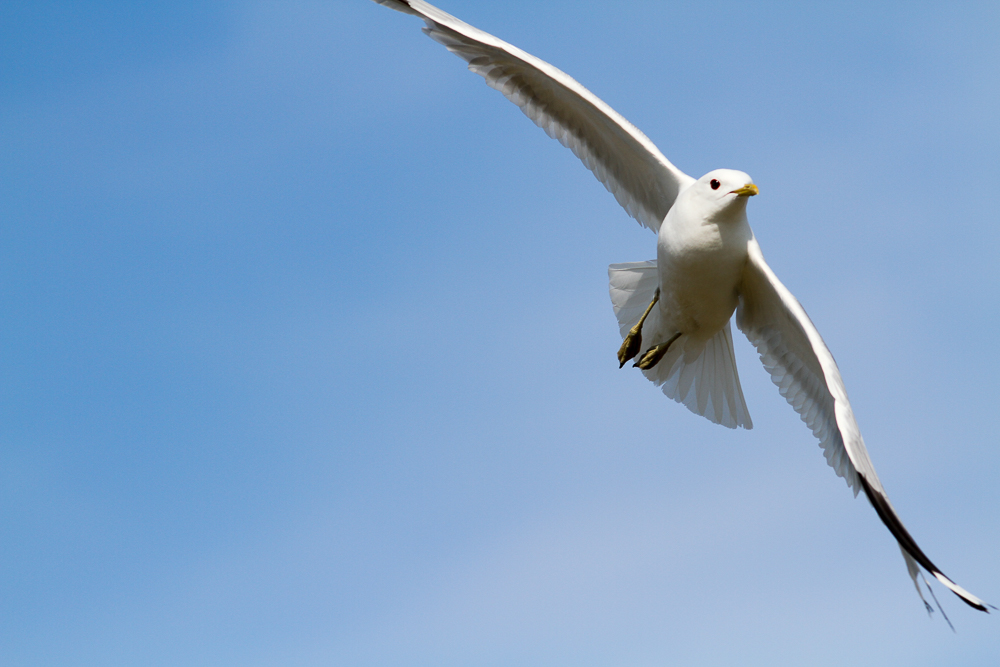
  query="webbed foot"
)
[
  {"x": 630, "y": 346},
  {"x": 654, "y": 354}
]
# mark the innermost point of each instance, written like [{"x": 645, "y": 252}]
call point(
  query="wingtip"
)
[
  {"x": 964, "y": 595},
  {"x": 909, "y": 547},
  {"x": 399, "y": 5}
]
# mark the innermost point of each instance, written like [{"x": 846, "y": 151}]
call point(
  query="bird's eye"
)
[{"x": 715, "y": 183}]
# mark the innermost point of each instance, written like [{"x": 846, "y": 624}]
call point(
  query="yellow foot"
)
[
  {"x": 655, "y": 353},
  {"x": 630, "y": 346}
]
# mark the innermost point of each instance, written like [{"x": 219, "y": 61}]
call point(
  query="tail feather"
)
[{"x": 700, "y": 375}]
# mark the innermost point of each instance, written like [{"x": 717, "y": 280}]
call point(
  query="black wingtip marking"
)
[
  {"x": 895, "y": 526},
  {"x": 399, "y": 5}
]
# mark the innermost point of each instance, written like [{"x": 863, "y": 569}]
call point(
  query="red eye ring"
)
[{"x": 715, "y": 183}]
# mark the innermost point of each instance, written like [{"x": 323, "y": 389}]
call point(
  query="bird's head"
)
[{"x": 723, "y": 192}]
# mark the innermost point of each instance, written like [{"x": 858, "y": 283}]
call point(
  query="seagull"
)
[{"x": 674, "y": 312}]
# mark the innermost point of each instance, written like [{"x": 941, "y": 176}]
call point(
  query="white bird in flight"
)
[{"x": 674, "y": 312}]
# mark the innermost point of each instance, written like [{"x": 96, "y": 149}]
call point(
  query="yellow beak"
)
[{"x": 747, "y": 190}]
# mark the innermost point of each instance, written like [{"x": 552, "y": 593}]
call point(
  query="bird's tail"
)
[{"x": 700, "y": 375}]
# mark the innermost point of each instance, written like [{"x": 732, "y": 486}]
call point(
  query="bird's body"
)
[
  {"x": 701, "y": 251},
  {"x": 674, "y": 313}
]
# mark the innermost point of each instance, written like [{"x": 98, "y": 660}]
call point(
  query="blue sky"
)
[{"x": 307, "y": 355}]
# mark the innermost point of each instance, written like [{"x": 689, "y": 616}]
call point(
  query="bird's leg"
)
[
  {"x": 655, "y": 353},
  {"x": 633, "y": 341}
]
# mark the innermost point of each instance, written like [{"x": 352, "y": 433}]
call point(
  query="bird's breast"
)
[{"x": 700, "y": 267}]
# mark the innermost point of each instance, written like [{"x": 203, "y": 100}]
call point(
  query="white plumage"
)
[{"x": 708, "y": 266}]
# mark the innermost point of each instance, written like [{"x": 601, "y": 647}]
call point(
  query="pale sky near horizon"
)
[{"x": 307, "y": 356}]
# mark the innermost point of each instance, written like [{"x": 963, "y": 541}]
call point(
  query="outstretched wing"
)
[
  {"x": 623, "y": 158},
  {"x": 807, "y": 376}
]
